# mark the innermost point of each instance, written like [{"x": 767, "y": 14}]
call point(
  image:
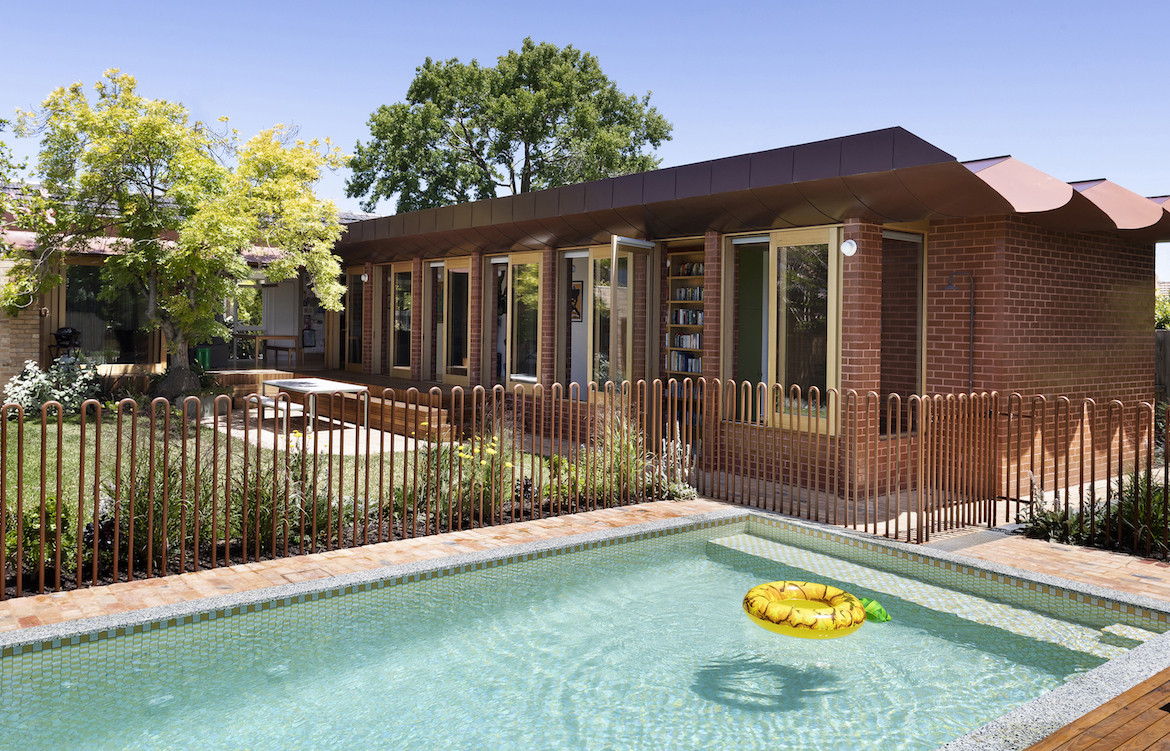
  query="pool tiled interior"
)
[
  {"x": 1017, "y": 620},
  {"x": 61, "y": 607},
  {"x": 1095, "y": 625}
]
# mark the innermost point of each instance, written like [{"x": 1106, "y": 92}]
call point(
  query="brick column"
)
[
  {"x": 547, "y": 369},
  {"x": 368, "y": 304},
  {"x": 861, "y": 309},
  {"x": 712, "y": 297},
  {"x": 416, "y": 319},
  {"x": 638, "y": 314},
  {"x": 475, "y": 320}
]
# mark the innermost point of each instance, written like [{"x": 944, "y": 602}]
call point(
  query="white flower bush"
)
[{"x": 70, "y": 380}]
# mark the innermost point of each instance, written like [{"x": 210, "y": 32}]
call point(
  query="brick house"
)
[
  {"x": 985, "y": 275},
  {"x": 874, "y": 262}
]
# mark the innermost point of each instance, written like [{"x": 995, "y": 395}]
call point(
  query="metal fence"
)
[{"x": 125, "y": 491}]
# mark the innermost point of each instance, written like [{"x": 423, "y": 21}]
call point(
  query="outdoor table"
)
[
  {"x": 312, "y": 388},
  {"x": 257, "y": 336}
]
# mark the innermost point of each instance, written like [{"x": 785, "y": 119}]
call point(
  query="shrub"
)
[
  {"x": 70, "y": 380},
  {"x": 30, "y": 537}
]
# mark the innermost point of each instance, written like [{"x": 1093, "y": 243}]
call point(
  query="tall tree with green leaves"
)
[
  {"x": 542, "y": 117},
  {"x": 182, "y": 205}
]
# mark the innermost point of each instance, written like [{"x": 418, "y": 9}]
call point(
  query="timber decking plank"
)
[{"x": 1123, "y": 716}]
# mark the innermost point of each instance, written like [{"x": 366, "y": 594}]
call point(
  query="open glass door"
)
[
  {"x": 523, "y": 337},
  {"x": 455, "y": 351},
  {"x": 351, "y": 320},
  {"x": 400, "y": 311}
]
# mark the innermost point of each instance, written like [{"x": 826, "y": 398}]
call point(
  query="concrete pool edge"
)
[
  {"x": 160, "y": 616},
  {"x": 1015, "y": 730}
]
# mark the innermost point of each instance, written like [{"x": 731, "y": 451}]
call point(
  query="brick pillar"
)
[
  {"x": 638, "y": 314},
  {"x": 712, "y": 297},
  {"x": 475, "y": 320},
  {"x": 861, "y": 346},
  {"x": 547, "y": 370},
  {"x": 416, "y": 319},
  {"x": 368, "y": 305},
  {"x": 861, "y": 309}
]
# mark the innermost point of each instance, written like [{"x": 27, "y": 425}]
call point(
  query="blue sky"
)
[{"x": 1076, "y": 89}]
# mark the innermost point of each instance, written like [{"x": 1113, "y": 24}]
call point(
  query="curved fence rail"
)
[{"x": 128, "y": 490}]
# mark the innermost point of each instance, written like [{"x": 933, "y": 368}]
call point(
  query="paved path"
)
[
  {"x": 1140, "y": 576},
  {"x": 1112, "y": 570},
  {"x": 36, "y": 610}
]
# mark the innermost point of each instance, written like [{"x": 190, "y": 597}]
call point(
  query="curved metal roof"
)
[{"x": 887, "y": 175}]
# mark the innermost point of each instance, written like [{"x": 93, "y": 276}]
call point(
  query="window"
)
[
  {"x": 401, "y": 304},
  {"x": 783, "y": 297},
  {"x": 525, "y": 321},
  {"x": 457, "y": 321},
  {"x": 111, "y": 330},
  {"x": 351, "y": 320}
]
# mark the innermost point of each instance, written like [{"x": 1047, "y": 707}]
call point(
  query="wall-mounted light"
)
[
  {"x": 849, "y": 248},
  {"x": 365, "y": 278}
]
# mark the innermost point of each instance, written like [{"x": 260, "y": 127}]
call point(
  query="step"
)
[{"x": 968, "y": 607}]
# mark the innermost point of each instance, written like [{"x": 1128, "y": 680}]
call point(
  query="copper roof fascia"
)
[
  {"x": 1025, "y": 188},
  {"x": 1126, "y": 209},
  {"x": 950, "y": 190},
  {"x": 885, "y": 196},
  {"x": 1159, "y": 232},
  {"x": 669, "y": 200},
  {"x": 834, "y": 198}
]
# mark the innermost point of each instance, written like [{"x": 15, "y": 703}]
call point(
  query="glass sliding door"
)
[
  {"x": 611, "y": 318},
  {"x": 802, "y": 303},
  {"x": 351, "y": 320},
  {"x": 400, "y": 312},
  {"x": 524, "y": 318},
  {"x": 783, "y": 296},
  {"x": 457, "y": 321}
]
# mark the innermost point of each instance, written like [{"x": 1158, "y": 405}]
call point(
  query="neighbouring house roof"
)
[
  {"x": 104, "y": 246},
  {"x": 888, "y": 175}
]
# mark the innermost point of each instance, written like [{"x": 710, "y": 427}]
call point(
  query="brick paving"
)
[
  {"x": 36, "y": 610},
  {"x": 1140, "y": 576},
  {"x": 1103, "y": 568}
]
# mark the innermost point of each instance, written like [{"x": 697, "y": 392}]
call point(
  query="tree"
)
[
  {"x": 182, "y": 205},
  {"x": 1161, "y": 310},
  {"x": 542, "y": 117},
  {"x": 9, "y": 181}
]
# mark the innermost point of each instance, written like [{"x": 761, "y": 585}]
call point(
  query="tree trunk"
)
[{"x": 179, "y": 379}]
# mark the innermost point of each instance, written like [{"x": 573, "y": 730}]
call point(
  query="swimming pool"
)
[{"x": 633, "y": 642}]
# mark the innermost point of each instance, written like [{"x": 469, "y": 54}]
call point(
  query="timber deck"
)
[{"x": 1137, "y": 720}]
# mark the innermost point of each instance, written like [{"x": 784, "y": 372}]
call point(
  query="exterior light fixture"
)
[
  {"x": 849, "y": 248},
  {"x": 365, "y": 278}
]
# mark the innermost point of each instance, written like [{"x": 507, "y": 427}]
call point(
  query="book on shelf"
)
[
  {"x": 688, "y": 268},
  {"x": 684, "y": 362},
  {"x": 686, "y": 317}
]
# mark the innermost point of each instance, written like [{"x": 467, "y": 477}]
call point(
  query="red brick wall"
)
[
  {"x": 416, "y": 319},
  {"x": 861, "y": 305},
  {"x": 976, "y": 246},
  {"x": 1055, "y": 313},
  {"x": 638, "y": 314},
  {"x": 475, "y": 320},
  {"x": 547, "y": 370},
  {"x": 901, "y": 305},
  {"x": 712, "y": 299},
  {"x": 368, "y": 304}
]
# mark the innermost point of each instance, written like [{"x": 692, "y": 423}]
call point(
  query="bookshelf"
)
[{"x": 684, "y": 314}]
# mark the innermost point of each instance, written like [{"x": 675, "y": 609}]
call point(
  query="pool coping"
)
[{"x": 1013, "y": 731}]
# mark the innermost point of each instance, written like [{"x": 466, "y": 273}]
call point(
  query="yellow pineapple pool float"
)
[{"x": 805, "y": 609}]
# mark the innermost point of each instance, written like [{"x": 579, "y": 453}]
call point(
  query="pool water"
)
[{"x": 641, "y": 645}]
